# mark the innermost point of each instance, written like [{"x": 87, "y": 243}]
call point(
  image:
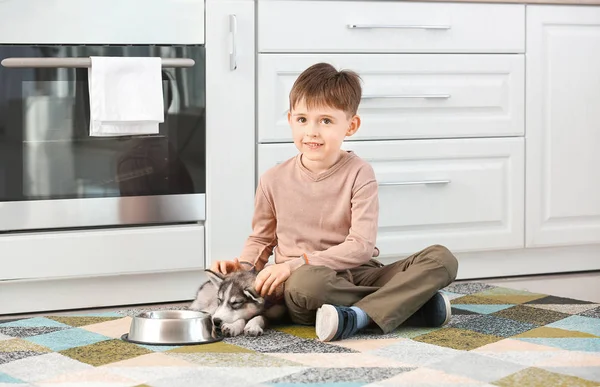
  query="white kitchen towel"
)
[{"x": 126, "y": 96}]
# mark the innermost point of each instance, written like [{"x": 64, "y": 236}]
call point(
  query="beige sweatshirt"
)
[{"x": 328, "y": 219}]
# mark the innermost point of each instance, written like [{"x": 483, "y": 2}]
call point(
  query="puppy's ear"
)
[
  {"x": 253, "y": 295},
  {"x": 215, "y": 278}
]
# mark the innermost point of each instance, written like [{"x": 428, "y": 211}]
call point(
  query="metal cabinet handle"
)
[
  {"x": 426, "y": 96},
  {"x": 392, "y": 26},
  {"x": 233, "y": 51},
  {"x": 79, "y": 62},
  {"x": 419, "y": 182}
]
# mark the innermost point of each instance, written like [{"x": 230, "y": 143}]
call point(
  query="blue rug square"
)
[
  {"x": 567, "y": 343},
  {"x": 482, "y": 308},
  {"x": 4, "y": 378},
  {"x": 67, "y": 339},
  {"x": 35, "y": 322},
  {"x": 578, "y": 323}
]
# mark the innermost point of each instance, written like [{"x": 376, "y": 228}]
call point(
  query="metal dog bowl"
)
[{"x": 171, "y": 327}]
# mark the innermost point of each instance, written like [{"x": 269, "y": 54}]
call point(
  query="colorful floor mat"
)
[{"x": 497, "y": 337}]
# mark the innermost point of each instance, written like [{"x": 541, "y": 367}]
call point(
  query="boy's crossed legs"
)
[{"x": 389, "y": 295}]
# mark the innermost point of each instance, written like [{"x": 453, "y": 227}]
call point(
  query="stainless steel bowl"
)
[{"x": 171, "y": 327}]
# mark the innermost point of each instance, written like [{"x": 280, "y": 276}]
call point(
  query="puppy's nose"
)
[{"x": 217, "y": 322}]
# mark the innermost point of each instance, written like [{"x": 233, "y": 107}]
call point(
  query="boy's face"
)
[{"x": 318, "y": 134}]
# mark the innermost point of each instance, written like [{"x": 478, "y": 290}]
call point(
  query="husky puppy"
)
[{"x": 234, "y": 304}]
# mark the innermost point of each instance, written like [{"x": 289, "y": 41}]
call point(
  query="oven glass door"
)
[{"x": 54, "y": 175}]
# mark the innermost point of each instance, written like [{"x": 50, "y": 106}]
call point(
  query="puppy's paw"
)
[
  {"x": 253, "y": 329},
  {"x": 234, "y": 329}
]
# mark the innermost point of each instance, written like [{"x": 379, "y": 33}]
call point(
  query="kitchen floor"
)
[{"x": 581, "y": 286}]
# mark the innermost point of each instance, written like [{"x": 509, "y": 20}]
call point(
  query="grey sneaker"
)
[
  {"x": 436, "y": 312},
  {"x": 335, "y": 322}
]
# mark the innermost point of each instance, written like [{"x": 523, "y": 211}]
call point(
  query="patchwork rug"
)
[{"x": 497, "y": 337}]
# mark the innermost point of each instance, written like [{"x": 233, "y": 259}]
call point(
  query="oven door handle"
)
[
  {"x": 233, "y": 50},
  {"x": 79, "y": 62}
]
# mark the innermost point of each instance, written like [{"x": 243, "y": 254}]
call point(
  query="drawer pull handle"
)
[
  {"x": 421, "y": 182},
  {"x": 426, "y": 96},
  {"x": 233, "y": 49},
  {"x": 404, "y": 27}
]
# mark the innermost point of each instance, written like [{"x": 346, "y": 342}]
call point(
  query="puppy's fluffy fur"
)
[{"x": 234, "y": 304}]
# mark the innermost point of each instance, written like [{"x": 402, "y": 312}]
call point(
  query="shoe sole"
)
[
  {"x": 327, "y": 322},
  {"x": 448, "y": 308}
]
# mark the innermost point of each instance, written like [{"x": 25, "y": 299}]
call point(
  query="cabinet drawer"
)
[
  {"x": 408, "y": 95},
  {"x": 378, "y": 26},
  {"x": 110, "y": 251},
  {"x": 467, "y": 194}
]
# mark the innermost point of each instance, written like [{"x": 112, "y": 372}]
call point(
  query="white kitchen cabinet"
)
[
  {"x": 513, "y": 124},
  {"x": 467, "y": 194},
  {"x": 230, "y": 140},
  {"x": 408, "y": 96},
  {"x": 98, "y": 22},
  {"x": 389, "y": 26},
  {"x": 563, "y": 126}
]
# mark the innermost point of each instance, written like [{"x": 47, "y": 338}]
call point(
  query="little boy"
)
[{"x": 318, "y": 211}]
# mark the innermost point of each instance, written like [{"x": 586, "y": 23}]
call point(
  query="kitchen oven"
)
[
  {"x": 89, "y": 221},
  {"x": 54, "y": 175}
]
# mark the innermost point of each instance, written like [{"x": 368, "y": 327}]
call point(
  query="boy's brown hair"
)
[{"x": 322, "y": 85}]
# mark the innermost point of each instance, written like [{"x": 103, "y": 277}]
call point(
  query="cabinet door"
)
[
  {"x": 408, "y": 96},
  {"x": 389, "y": 26},
  {"x": 230, "y": 57},
  {"x": 563, "y": 125},
  {"x": 466, "y": 194}
]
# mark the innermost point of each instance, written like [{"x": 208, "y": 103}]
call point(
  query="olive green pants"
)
[{"x": 389, "y": 294}]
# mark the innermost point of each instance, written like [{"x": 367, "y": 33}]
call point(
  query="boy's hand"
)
[
  {"x": 271, "y": 277},
  {"x": 225, "y": 267}
]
